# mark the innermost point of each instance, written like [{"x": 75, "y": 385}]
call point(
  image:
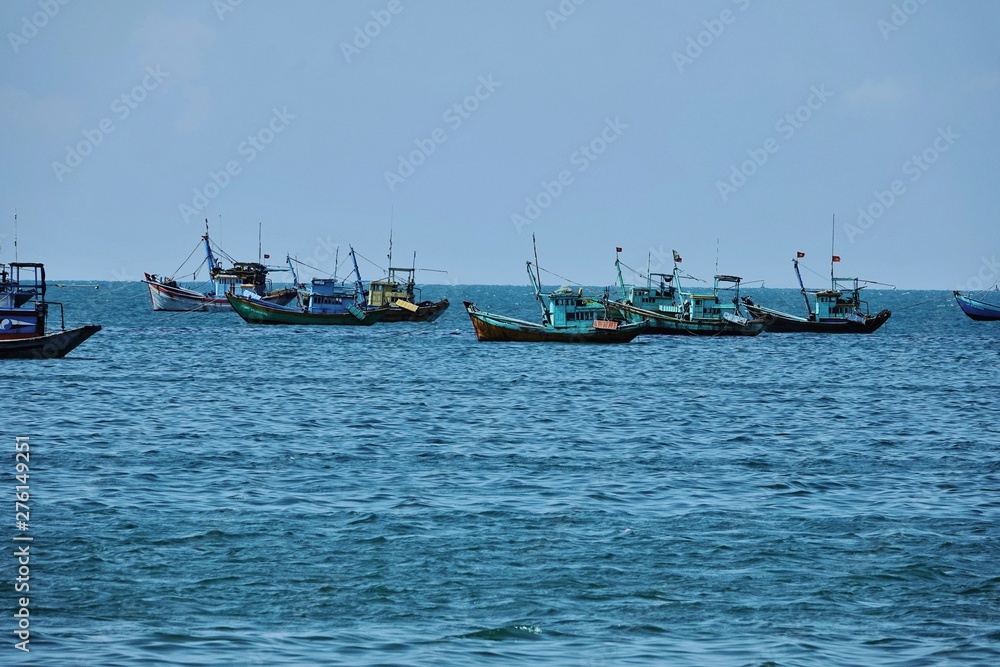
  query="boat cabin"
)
[
  {"x": 243, "y": 276},
  {"x": 23, "y": 308},
  {"x": 328, "y": 295},
  {"x": 387, "y": 291},
  {"x": 570, "y": 309}
]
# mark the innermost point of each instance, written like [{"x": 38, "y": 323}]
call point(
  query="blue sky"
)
[{"x": 730, "y": 130}]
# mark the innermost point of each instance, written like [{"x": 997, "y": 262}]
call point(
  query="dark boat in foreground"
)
[
  {"x": 976, "y": 309},
  {"x": 23, "y": 316},
  {"x": 836, "y": 310},
  {"x": 568, "y": 317}
]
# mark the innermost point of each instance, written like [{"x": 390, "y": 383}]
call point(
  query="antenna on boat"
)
[
  {"x": 15, "y": 234},
  {"x": 716, "y": 254},
  {"x": 392, "y": 214},
  {"x": 259, "y": 256},
  {"x": 833, "y": 252}
]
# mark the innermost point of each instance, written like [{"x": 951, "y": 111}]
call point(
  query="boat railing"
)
[{"x": 62, "y": 313}]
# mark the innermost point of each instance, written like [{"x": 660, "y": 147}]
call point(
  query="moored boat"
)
[
  {"x": 976, "y": 309},
  {"x": 671, "y": 311},
  {"x": 398, "y": 297},
  {"x": 166, "y": 294},
  {"x": 327, "y": 302},
  {"x": 839, "y": 309},
  {"x": 24, "y": 315},
  {"x": 567, "y": 317}
]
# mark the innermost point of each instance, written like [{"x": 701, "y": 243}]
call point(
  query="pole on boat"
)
[
  {"x": 802, "y": 286},
  {"x": 833, "y": 252},
  {"x": 15, "y": 234},
  {"x": 538, "y": 279}
]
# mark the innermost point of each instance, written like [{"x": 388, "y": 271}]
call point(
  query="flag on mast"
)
[
  {"x": 836, "y": 258},
  {"x": 799, "y": 255},
  {"x": 677, "y": 256}
]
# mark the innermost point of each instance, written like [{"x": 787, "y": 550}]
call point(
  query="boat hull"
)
[
  {"x": 50, "y": 346},
  {"x": 493, "y": 328},
  {"x": 977, "y": 310},
  {"x": 665, "y": 325},
  {"x": 425, "y": 312},
  {"x": 254, "y": 311},
  {"x": 785, "y": 323},
  {"x": 180, "y": 299}
]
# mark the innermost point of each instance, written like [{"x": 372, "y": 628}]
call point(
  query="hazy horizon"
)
[{"x": 731, "y": 131}]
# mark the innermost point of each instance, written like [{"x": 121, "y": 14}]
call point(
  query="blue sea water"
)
[{"x": 206, "y": 492}]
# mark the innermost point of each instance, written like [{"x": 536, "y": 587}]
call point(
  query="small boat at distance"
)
[
  {"x": 24, "y": 314},
  {"x": 976, "y": 309},
  {"x": 567, "y": 317}
]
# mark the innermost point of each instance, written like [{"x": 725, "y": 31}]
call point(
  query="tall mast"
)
[
  {"x": 833, "y": 252},
  {"x": 537, "y": 279},
  {"x": 15, "y": 234},
  {"x": 260, "y": 257},
  {"x": 359, "y": 288},
  {"x": 802, "y": 287},
  {"x": 208, "y": 252}
]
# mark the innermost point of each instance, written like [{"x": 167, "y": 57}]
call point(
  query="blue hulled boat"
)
[{"x": 976, "y": 309}]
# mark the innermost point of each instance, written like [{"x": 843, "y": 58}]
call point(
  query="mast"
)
[
  {"x": 359, "y": 288},
  {"x": 260, "y": 258},
  {"x": 537, "y": 280},
  {"x": 15, "y": 235},
  {"x": 833, "y": 252},
  {"x": 802, "y": 287},
  {"x": 621, "y": 281},
  {"x": 212, "y": 264}
]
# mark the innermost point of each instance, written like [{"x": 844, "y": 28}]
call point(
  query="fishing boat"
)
[
  {"x": 671, "y": 311},
  {"x": 567, "y": 317},
  {"x": 24, "y": 314},
  {"x": 981, "y": 311},
  {"x": 839, "y": 309},
  {"x": 327, "y": 302},
  {"x": 398, "y": 297},
  {"x": 166, "y": 294}
]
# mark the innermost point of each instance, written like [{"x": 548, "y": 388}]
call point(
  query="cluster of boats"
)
[
  {"x": 662, "y": 306},
  {"x": 659, "y": 305},
  {"x": 245, "y": 288}
]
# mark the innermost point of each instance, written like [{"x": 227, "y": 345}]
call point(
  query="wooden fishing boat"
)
[
  {"x": 671, "y": 311},
  {"x": 839, "y": 309},
  {"x": 328, "y": 302},
  {"x": 166, "y": 294},
  {"x": 23, "y": 320},
  {"x": 258, "y": 311},
  {"x": 976, "y": 309},
  {"x": 398, "y": 297},
  {"x": 567, "y": 317}
]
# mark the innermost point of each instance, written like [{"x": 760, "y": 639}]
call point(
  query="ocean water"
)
[{"x": 206, "y": 492}]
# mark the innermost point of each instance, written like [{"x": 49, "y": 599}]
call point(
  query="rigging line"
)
[
  {"x": 186, "y": 259},
  {"x": 369, "y": 261},
  {"x": 551, "y": 273}
]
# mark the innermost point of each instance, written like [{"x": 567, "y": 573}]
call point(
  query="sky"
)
[{"x": 737, "y": 132}]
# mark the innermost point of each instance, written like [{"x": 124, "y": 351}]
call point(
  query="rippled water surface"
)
[{"x": 206, "y": 492}]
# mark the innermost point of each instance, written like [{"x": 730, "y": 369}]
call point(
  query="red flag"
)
[
  {"x": 267, "y": 257},
  {"x": 800, "y": 255},
  {"x": 677, "y": 256},
  {"x": 836, "y": 258},
  {"x": 618, "y": 249}
]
